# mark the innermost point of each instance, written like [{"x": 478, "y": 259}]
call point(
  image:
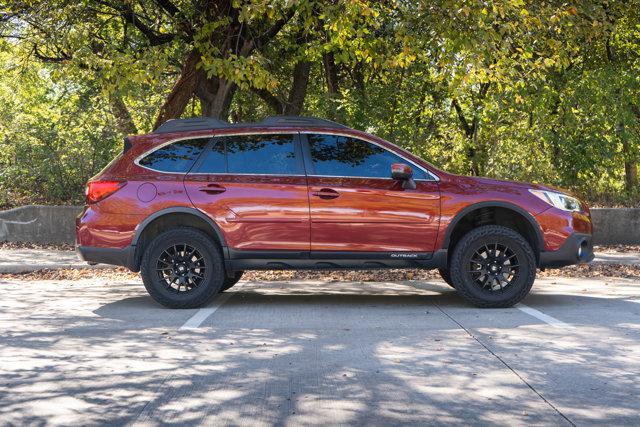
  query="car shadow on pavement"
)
[
  {"x": 300, "y": 353},
  {"x": 397, "y": 296}
]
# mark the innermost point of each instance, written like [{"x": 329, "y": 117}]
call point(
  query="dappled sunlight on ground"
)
[{"x": 310, "y": 352}]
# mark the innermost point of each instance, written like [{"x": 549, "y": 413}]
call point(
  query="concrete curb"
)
[{"x": 22, "y": 269}]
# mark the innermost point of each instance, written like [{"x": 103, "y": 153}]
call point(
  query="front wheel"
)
[
  {"x": 182, "y": 268},
  {"x": 493, "y": 266}
]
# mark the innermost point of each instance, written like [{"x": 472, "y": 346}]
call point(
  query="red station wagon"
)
[{"x": 199, "y": 201}]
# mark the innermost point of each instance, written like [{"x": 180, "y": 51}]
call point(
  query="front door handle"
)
[
  {"x": 212, "y": 189},
  {"x": 326, "y": 193}
]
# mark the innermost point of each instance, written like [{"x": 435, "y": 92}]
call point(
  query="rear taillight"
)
[{"x": 98, "y": 190}]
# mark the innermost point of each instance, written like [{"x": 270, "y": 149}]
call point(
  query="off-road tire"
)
[
  {"x": 446, "y": 276},
  {"x": 213, "y": 277},
  {"x": 467, "y": 286},
  {"x": 230, "y": 281}
]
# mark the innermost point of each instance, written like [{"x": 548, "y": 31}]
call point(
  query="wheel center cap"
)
[
  {"x": 181, "y": 268},
  {"x": 494, "y": 268}
]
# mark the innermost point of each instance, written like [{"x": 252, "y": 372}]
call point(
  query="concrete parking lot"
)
[{"x": 101, "y": 352}]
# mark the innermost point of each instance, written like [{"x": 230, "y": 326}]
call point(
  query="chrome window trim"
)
[
  {"x": 364, "y": 177},
  {"x": 136, "y": 161},
  {"x": 185, "y": 138},
  {"x": 274, "y": 132}
]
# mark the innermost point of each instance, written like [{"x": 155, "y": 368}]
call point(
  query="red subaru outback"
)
[{"x": 194, "y": 204}]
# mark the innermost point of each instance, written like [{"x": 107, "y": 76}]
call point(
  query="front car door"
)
[
  {"x": 356, "y": 207},
  {"x": 254, "y": 187}
]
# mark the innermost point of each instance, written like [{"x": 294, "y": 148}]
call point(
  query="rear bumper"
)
[
  {"x": 123, "y": 257},
  {"x": 577, "y": 249}
]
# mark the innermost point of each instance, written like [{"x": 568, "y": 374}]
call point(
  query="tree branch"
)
[
  {"x": 272, "y": 101},
  {"x": 128, "y": 15},
  {"x": 264, "y": 38},
  {"x": 168, "y": 7},
  {"x": 463, "y": 120}
]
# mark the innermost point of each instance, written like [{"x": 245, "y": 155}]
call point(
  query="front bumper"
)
[
  {"x": 113, "y": 256},
  {"x": 577, "y": 249}
]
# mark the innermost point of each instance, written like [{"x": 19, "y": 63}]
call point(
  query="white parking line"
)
[
  {"x": 544, "y": 317},
  {"x": 201, "y": 315}
]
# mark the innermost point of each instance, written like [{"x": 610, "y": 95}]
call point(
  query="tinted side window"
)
[
  {"x": 262, "y": 154},
  {"x": 335, "y": 155},
  {"x": 176, "y": 157},
  {"x": 254, "y": 154},
  {"x": 214, "y": 160}
]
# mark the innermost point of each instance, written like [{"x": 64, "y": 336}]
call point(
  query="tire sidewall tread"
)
[
  {"x": 201, "y": 295},
  {"x": 469, "y": 290}
]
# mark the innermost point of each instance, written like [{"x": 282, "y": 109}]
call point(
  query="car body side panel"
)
[
  {"x": 373, "y": 215},
  {"x": 557, "y": 225},
  {"x": 255, "y": 212},
  {"x": 459, "y": 193},
  {"x": 105, "y": 230},
  {"x": 113, "y": 221}
]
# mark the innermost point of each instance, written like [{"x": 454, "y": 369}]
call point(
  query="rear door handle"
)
[
  {"x": 326, "y": 193},
  {"x": 212, "y": 189}
]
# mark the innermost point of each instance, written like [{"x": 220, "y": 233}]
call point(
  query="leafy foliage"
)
[{"x": 517, "y": 89}]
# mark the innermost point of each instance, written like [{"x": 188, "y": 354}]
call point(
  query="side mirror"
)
[{"x": 404, "y": 173}]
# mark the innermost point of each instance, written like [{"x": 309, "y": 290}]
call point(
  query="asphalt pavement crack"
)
[{"x": 551, "y": 405}]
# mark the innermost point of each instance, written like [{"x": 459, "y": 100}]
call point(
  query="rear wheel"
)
[
  {"x": 230, "y": 281},
  {"x": 493, "y": 266},
  {"x": 182, "y": 268}
]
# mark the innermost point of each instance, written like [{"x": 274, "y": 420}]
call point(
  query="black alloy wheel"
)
[
  {"x": 181, "y": 267},
  {"x": 493, "y": 266}
]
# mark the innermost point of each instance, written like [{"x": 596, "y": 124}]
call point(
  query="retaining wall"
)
[
  {"x": 39, "y": 224},
  {"x": 616, "y": 226},
  {"x": 56, "y": 224}
]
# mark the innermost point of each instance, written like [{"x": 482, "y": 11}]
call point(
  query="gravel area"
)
[
  {"x": 29, "y": 245},
  {"x": 122, "y": 274},
  {"x": 617, "y": 248}
]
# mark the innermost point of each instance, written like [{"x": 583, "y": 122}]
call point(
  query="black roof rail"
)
[
  {"x": 204, "y": 123},
  {"x": 196, "y": 123},
  {"x": 298, "y": 121}
]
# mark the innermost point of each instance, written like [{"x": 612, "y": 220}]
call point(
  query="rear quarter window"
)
[{"x": 177, "y": 157}]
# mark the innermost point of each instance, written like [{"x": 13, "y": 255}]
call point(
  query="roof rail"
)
[
  {"x": 205, "y": 123},
  {"x": 196, "y": 123},
  {"x": 298, "y": 121}
]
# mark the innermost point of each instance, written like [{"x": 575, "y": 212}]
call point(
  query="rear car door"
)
[
  {"x": 254, "y": 187},
  {"x": 355, "y": 206}
]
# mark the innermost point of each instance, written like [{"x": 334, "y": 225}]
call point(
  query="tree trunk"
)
[
  {"x": 215, "y": 97},
  {"x": 216, "y": 93},
  {"x": 471, "y": 133},
  {"x": 119, "y": 109},
  {"x": 333, "y": 88},
  {"x": 630, "y": 176},
  {"x": 630, "y": 166},
  {"x": 298, "y": 91},
  {"x": 181, "y": 92},
  {"x": 331, "y": 73}
]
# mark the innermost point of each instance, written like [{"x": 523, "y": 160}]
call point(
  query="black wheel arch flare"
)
[{"x": 539, "y": 239}]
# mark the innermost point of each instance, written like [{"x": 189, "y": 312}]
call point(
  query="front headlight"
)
[{"x": 558, "y": 200}]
